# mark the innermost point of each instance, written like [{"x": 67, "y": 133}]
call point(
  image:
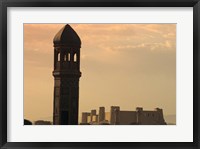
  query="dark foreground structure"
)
[
  {"x": 42, "y": 122},
  {"x": 27, "y": 122},
  {"x": 66, "y": 74}
]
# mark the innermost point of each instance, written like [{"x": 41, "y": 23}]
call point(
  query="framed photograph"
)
[{"x": 82, "y": 74}]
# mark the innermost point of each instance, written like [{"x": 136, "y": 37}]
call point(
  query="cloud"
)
[
  {"x": 40, "y": 36},
  {"x": 143, "y": 46},
  {"x": 105, "y": 43}
]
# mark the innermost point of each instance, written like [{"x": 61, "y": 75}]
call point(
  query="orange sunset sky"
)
[{"x": 126, "y": 65}]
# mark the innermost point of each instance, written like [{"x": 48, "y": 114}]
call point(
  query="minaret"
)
[{"x": 66, "y": 74}]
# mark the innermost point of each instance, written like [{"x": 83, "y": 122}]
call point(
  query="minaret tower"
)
[{"x": 66, "y": 74}]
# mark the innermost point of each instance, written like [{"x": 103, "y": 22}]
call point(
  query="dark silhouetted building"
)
[
  {"x": 41, "y": 122},
  {"x": 27, "y": 122},
  {"x": 66, "y": 74}
]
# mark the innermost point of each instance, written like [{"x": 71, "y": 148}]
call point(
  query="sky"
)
[{"x": 126, "y": 65}]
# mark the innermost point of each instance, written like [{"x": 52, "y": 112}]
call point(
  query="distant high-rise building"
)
[{"x": 66, "y": 74}]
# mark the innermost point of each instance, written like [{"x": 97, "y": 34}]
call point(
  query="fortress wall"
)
[
  {"x": 117, "y": 117},
  {"x": 127, "y": 117},
  {"x": 151, "y": 118}
]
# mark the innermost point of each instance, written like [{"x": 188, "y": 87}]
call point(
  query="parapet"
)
[
  {"x": 139, "y": 109},
  {"x": 158, "y": 109}
]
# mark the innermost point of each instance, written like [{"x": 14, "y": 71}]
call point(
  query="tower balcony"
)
[{"x": 67, "y": 73}]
